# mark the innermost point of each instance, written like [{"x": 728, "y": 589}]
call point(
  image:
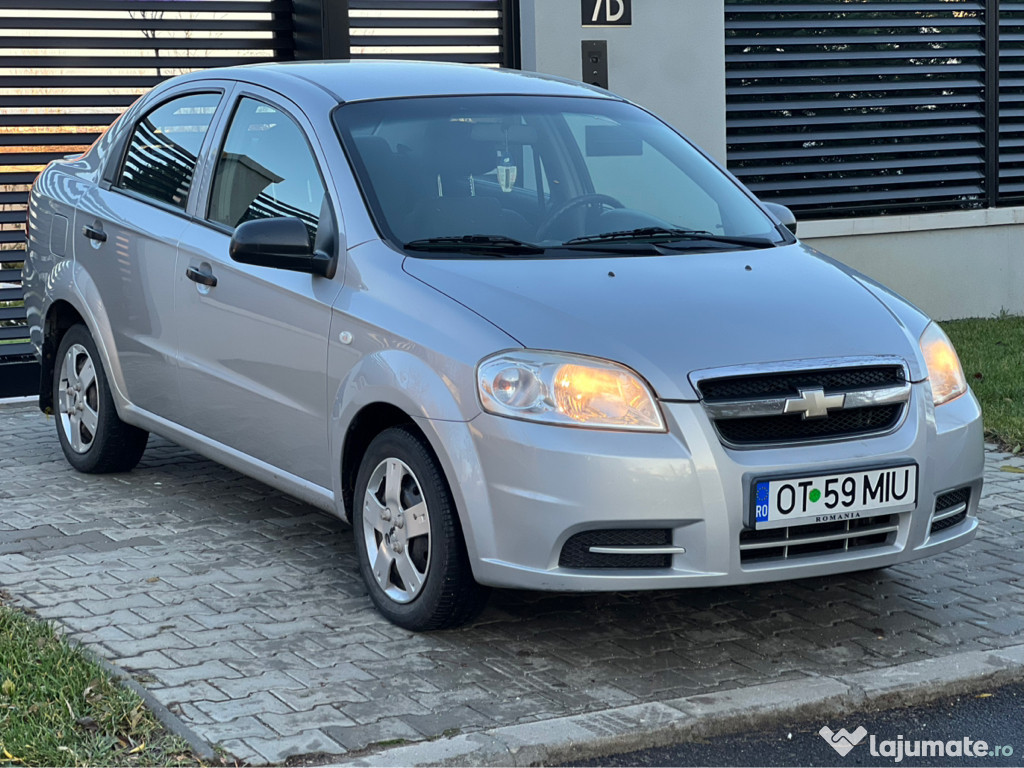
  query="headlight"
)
[
  {"x": 944, "y": 371},
  {"x": 571, "y": 390}
]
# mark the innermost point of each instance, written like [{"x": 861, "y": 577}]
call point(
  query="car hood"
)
[{"x": 666, "y": 316}]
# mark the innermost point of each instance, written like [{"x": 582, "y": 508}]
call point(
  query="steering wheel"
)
[{"x": 592, "y": 198}]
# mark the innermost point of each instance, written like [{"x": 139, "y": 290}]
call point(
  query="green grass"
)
[
  {"x": 57, "y": 708},
  {"x": 992, "y": 353}
]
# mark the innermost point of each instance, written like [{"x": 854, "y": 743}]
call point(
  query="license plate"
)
[{"x": 831, "y": 498}]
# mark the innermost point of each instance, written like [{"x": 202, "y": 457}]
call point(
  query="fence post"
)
[
  {"x": 992, "y": 103},
  {"x": 510, "y": 42},
  {"x": 321, "y": 29}
]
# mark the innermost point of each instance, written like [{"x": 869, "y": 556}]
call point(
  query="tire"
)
[
  {"x": 93, "y": 438},
  {"x": 421, "y": 581}
]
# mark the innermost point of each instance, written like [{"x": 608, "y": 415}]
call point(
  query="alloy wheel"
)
[
  {"x": 396, "y": 530},
  {"x": 78, "y": 398}
]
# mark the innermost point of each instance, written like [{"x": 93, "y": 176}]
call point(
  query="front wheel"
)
[
  {"x": 92, "y": 436},
  {"x": 408, "y": 540}
]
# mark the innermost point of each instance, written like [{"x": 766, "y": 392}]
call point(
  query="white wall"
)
[
  {"x": 952, "y": 265},
  {"x": 670, "y": 61}
]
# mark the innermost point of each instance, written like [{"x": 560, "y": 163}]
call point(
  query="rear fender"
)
[{"x": 71, "y": 284}]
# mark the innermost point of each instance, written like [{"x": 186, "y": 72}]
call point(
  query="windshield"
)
[{"x": 529, "y": 172}]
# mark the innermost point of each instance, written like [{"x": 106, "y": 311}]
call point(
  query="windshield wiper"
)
[
  {"x": 664, "y": 235},
  {"x": 494, "y": 244}
]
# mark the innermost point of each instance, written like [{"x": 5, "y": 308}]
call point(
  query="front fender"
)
[{"x": 405, "y": 382}]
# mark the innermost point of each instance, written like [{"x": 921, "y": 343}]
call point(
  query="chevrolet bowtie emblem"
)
[{"x": 814, "y": 403}]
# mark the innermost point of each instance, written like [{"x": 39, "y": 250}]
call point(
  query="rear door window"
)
[{"x": 164, "y": 147}]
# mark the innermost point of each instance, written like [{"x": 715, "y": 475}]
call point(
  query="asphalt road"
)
[{"x": 995, "y": 716}]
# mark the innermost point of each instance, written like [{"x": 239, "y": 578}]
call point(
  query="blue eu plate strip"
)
[{"x": 761, "y": 503}]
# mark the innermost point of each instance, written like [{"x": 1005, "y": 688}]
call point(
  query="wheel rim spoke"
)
[
  {"x": 70, "y": 369},
  {"x": 393, "y": 483},
  {"x": 411, "y": 577},
  {"x": 63, "y": 399},
  {"x": 417, "y": 523},
  {"x": 90, "y": 418},
  {"x": 372, "y": 519},
  {"x": 381, "y": 565},
  {"x": 75, "y": 422},
  {"x": 87, "y": 376}
]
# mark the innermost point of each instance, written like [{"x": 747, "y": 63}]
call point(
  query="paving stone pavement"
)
[{"x": 241, "y": 609}]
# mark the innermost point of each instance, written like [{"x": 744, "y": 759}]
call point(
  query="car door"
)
[
  {"x": 126, "y": 239},
  {"x": 252, "y": 344}
]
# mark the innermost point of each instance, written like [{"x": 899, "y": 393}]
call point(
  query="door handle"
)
[
  {"x": 203, "y": 278},
  {"x": 94, "y": 234}
]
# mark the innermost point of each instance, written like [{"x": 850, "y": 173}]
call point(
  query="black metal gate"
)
[
  {"x": 469, "y": 31},
  {"x": 68, "y": 68},
  {"x": 877, "y": 107}
]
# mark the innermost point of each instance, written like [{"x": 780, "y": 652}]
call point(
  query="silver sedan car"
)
[{"x": 516, "y": 330}]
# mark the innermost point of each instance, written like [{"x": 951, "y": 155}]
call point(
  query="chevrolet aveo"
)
[{"x": 514, "y": 329}]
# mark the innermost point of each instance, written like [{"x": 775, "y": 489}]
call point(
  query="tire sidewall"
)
[{"x": 400, "y": 444}]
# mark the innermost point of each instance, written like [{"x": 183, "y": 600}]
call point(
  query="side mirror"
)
[
  {"x": 783, "y": 214},
  {"x": 281, "y": 243}
]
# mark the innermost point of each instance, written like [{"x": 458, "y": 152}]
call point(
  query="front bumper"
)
[{"x": 540, "y": 485}]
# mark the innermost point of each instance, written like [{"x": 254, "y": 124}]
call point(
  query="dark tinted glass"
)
[
  {"x": 538, "y": 169},
  {"x": 161, "y": 158}
]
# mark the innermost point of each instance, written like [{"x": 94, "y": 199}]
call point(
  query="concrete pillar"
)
[{"x": 671, "y": 60}]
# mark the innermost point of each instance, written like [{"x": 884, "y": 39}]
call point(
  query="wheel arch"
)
[
  {"x": 60, "y": 316},
  {"x": 367, "y": 423},
  {"x": 376, "y": 395}
]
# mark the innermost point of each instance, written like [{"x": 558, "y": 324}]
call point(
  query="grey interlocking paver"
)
[
  {"x": 279, "y": 748},
  {"x": 242, "y": 610},
  {"x": 302, "y": 699},
  {"x": 320, "y": 716},
  {"x": 257, "y": 704},
  {"x": 387, "y": 730}
]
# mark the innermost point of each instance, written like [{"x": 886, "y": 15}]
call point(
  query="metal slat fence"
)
[
  {"x": 468, "y": 31},
  {"x": 840, "y": 109},
  {"x": 1011, "y": 103},
  {"x": 68, "y": 68}
]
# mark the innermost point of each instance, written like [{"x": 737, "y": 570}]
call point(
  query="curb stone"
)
[
  {"x": 626, "y": 729},
  {"x": 167, "y": 719}
]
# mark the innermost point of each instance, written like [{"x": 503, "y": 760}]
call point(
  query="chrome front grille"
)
[
  {"x": 785, "y": 383},
  {"x": 777, "y": 544},
  {"x": 842, "y": 399}
]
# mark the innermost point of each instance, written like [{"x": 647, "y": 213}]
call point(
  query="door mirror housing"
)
[
  {"x": 783, "y": 214},
  {"x": 281, "y": 243}
]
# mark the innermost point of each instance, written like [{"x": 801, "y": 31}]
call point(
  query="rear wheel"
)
[
  {"x": 93, "y": 438},
  {"x": 408, "y": 540}
]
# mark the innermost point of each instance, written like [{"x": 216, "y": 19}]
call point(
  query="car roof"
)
[{"x": 360, "y": 80}]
